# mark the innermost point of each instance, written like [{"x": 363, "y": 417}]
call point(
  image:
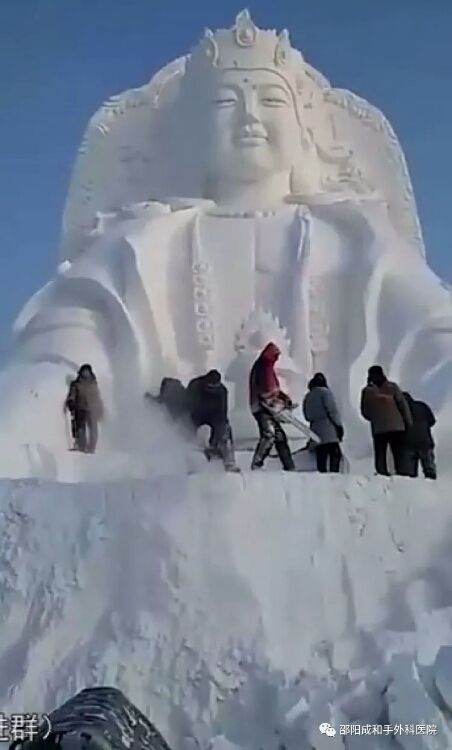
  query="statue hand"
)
[{"x": 368, "y": 207}]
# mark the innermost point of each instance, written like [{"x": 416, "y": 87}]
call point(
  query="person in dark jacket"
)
[
  {"x": 84, "y": 403},
  {"x": 420, "y": 446},
  {"x": 384, "y": 406},
  {"x": 320, "y": 410},
  {"x": 69, "y": 381},
  {"x": 173, "y": 397},
  {"x": 207, "y": 403},
  {"x": 264, "y": 394}
]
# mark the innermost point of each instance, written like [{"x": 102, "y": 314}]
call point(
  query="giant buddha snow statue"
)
[{"x": 236, "y": 197}]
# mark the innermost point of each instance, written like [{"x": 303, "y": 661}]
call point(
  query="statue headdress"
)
[{"x": 247, "y": 47}]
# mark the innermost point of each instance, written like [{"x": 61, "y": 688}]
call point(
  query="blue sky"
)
[{"x": 59, "y": 59}]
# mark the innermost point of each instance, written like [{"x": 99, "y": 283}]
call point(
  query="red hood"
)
[
  {"x": 263, "y": 379},
  {"x": 270, "y": 353}
]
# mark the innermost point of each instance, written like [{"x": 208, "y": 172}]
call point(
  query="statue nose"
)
[
  {"x": 250, "y": 109},
  {"x": 249, "y": 118},
  {"x": 249, "y": 123}
]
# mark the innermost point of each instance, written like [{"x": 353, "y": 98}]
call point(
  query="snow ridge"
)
[{"x": 217, "y": 603}]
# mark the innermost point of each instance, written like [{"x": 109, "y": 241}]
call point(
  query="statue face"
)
[{"x": 252, "y": 128}]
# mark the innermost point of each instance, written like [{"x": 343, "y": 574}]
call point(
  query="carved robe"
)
[{"x": 127, "y": 306}]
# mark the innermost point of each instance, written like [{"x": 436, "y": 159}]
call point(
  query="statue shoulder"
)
[
  {"x": 138, "y": 217},
  {"x": 343, "y": 209},
  {"x": 133, "y": 218},
  {"x": 106, "y": 221},
  {"x": 158, "y": 231},
  {"x": 126, "y": 239},
  {"x": 332, "y": 202},
  {"x": 122, "y": 235},
  {"x": 366, "y": 216},
  {"x": 97, "y": 263}
]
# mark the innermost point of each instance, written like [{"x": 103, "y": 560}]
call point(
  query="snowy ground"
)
[{"x": 216, "y": 603}]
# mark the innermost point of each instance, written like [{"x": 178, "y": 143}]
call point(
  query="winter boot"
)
[
  {"x": 226, "y": 450},
  {"x": 263, "y": 449},
  {"x": 232, "y": 468},
  {"x": 285, "y": 455}
]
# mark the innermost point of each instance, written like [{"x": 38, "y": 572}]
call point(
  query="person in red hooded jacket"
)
[{"x": 264, "y": 390}]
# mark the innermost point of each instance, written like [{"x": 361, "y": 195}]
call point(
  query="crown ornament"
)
[
  {"x": 246, "y": 46},
  {"x": 245, "y": 30}
]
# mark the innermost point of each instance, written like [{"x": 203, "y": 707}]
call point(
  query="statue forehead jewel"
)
[{"x": 244, "y": 45}]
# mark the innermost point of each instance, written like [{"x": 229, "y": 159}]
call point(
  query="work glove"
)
[
  {"x": 339, "y": 432},
  {"x": 287, "y": 401}
]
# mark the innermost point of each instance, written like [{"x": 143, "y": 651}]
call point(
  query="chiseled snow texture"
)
[{"x": 249, "y": 608}]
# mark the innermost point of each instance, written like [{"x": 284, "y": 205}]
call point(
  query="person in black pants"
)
[
  {"x": 321, "y": 411},
  {"x": 328, "y": 458},
  {"x": 207, "y": 402},
  {"x": 384, "y": 406},
  {"x": 393, "y": 440},
  {"x": 420, "y": 446},
  {"x": 85, "y": 406},
  {"x": 265, "y": 395}
]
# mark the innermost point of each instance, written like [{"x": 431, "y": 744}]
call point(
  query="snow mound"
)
[{"x": 250, "y": 608}]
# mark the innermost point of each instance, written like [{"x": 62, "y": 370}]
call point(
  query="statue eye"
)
[
  {"x": 273, "y": 101},
  {"x": 225, "y": 101}
]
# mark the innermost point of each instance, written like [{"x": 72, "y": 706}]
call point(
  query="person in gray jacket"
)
[{"x": 320, "y": 410}]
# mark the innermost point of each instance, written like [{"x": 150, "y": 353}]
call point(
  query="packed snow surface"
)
[{"x": 226, "y": 605}]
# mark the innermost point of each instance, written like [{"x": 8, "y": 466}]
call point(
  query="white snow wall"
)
[{"x": 179, "y": 590}]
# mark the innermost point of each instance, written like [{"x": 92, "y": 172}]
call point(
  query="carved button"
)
[
  {"x": 201, "y": 308},
  {"x": 200, "y": 293},
  {"x": 200, "y": 267},
  {"x": 203, "y": 325},
  {"x": 198, "y": 280},
  {"x": 206, "y": 339}
]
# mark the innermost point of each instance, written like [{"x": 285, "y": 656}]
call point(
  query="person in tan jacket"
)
[
  {"x": 384, "y": 406},
  {"x": 84, "y": 403}
]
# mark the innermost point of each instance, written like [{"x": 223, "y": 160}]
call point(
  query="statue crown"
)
[{"x": 245, "y": 46}]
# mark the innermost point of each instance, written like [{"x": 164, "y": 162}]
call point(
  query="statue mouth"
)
[{"x": 250, "y": 140}]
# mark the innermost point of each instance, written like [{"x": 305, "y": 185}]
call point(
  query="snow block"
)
[
  {"x": 443, "y": 674},
  {"x": 216, "y": 603},
  {"x": 409, "y": 704}
]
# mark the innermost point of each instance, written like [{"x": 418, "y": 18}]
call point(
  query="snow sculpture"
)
[{"x": 237, "y": 179}]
